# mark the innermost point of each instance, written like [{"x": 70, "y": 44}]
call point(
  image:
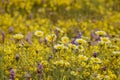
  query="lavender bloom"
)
[
  {"x": 12, "y": 74},
  {"x": 94, "y": 36},
  {"x": 28, "y": 38},
  {"x": 79, "y": 35},
  {"x": 74, "y": 42},
  {"x": 39, "y": 70},
  {"x": 45, "y": 41}
]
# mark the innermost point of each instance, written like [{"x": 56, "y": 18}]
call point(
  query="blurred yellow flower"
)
[
  {"x": 80, "y": 41},
  {"x": 101, "y": 33},
  {"x": 51, "y": 37},
  {"x": 38, "y": 33},
  {"x": 82, "y": 58},
  {"x": 18, "y": 36},
  {"x": 58, "y": 46},
  {"x": 105, "y": 40},
  {"x": 65, "y": 39},
  {"x": 96, "y": 60}
]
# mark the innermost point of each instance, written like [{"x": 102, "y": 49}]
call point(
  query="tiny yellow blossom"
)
[
  {"x": 38, "y": 33},
  {"x": 105, "y": 40},
  {"x": 80, "y": 41},
  {"x": 82, "y": 58},
  {"x": 18, "y": 36},
  {"x": 51, "y": 37},
  {"x": 101, "y": 33},
  {"x": 65, "y": 39}
]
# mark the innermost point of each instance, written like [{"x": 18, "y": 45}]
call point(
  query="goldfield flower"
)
[
  {"x": 58, "y": 46},
  {"x": 39, "y": 33},
  {"x": 65, "y": 39},
  {"x": 72, "y": 46},
  {"x": 80, "y": 48},
  {"x": 96, "y": 60},
  {"x": 82, "y": 58},
  {"x": 58, "y": 30},
  {"x": 105, "y": 40},
  {"x": 51, "y": 37},
  {"x": 73, "y": 73},
  {"x": 101, "y": 33},
  {"x": 18, "y": 36},
  {"x": 100, "y": 77},
  {"x": 80, "y": 41},
  {"x": 116, "y": 53}
]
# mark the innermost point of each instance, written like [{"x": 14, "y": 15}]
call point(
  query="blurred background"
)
[{"x": 69, "y": 15}]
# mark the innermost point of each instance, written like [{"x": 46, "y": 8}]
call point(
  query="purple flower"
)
[
  {"x": 39, "y": 68},
  {"x": 12, "y": 74},
  {"x": 29, "y": 37}
]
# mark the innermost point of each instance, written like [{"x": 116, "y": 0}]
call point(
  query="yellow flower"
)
[
  {"x": 58, "y": 46},
  {"x": 100, "y": 77},
  {"x": 100, "y": 33},
  {"x": 80, "y": 41},
  {"x": 18, "y": 36},
  {"x": 72, "y": 46},
  {"x": 87, "y": 73},
  {"x": 38, "y": 33},
  {"x": 96, "y": 60},
  {"x": 65, "y": 39},
  {"x": 73, "y": 73},
  {"x": 82, "y": 58},
  {"x": 80, "y": 48},
  {"x": 105, "y": 40},
  {"x": 51, "y": 37},
  {"x": 116, "y": 53}
]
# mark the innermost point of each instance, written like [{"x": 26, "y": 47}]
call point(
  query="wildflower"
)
[
  {"x": 28, "y": 38},
  {"x": 116, "y": 52},
  {"x": 51, "y": 37},
  {"x": 80, "y": 41},
  {"x": 80, "y": 48},
  {"x": 100, "y": 77},
  {"x": 96, "y": 60},
  {"x": 73, "y": 73},
  {"x": 100, "y": 33},
  {"x": 65, "y": 39},
  {"x": 12, "y": 74},
  {"x": 58, "y": 46},
  {"x": 105, "y": 40},
  {"x": 87, "y": 73},
  {"x": 18, "y": 36},
  {"x": 72, "y": 46},
  {"x": 82, "y": 58},
  {"x": 39, "y": 70},
  {"x": 38, "y": 33}
]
